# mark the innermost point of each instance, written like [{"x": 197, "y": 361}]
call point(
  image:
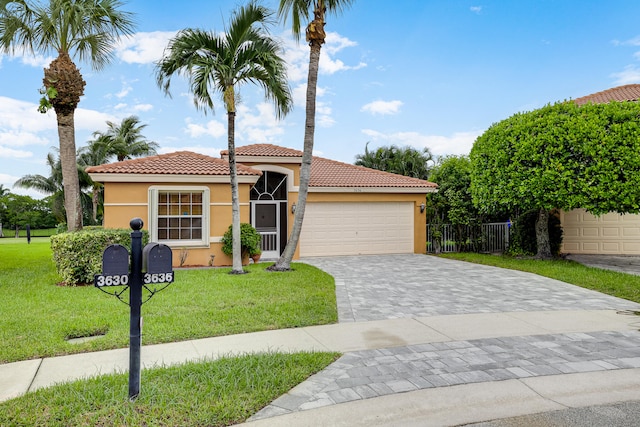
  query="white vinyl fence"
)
[{"x": 492, "y": 237}]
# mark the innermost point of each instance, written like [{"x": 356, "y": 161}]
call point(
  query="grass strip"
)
[
  {"x": 215, "y": 393},
  {"x": 39, "y": 317},
  {"x": 617, "y": 284}
]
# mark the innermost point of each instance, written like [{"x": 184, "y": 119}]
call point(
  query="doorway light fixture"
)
[
  {"x": 422, "y": 208},
  {"x": 293, "y": 208}
]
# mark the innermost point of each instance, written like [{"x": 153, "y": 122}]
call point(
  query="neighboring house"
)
[
  {"x": 612, "y": 233},
  {"x": 184, "y": 199}
]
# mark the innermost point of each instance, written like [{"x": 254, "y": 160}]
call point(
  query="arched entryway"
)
[{"x": 269, "y": 212}]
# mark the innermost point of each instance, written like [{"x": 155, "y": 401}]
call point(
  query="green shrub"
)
[
  {"x": 250, "y": 240},
  {"x": 523, "y": 240},
  {"x": 78, "y": 256}
]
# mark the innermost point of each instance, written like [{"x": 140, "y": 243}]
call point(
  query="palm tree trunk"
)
[
  {"x": 72, "y": 205},
  {"x": 235, "y": 200},
  {"x": 94, "y": 202},
  {"x": 284, "y": 262}
]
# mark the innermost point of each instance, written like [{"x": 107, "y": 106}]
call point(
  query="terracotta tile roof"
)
[
  {"x": 620, "y": 93},
  {"x": 324, "y": 172},
  {"x": 330, "y": 173},
  {"x": 178, "y": 163},
  {"x": 266, "y": 150}
]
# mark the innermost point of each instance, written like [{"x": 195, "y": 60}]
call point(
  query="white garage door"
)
[
  {"x": 583, "y": 233},
  {"x": 357, "y": 228}
]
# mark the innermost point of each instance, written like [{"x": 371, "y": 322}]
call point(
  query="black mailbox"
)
[
  {"x": 115, "y": 261},
  {"x": 157, "y": 258}
]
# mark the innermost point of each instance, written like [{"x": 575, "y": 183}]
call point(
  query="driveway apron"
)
[{"x": 375, "y": 288}]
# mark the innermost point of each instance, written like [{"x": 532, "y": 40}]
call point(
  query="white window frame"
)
[{"x": 154, "y": 192}]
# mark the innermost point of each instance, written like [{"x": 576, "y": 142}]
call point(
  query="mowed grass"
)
[
  {"x": 614, "y": 283},
  {"x": 38, "y": 316},
  {"x": 215, "y": 393}
]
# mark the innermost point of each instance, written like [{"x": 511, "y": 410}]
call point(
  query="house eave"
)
[
  {"x": 393, "y": 190},
  {"x": 266, "y": 159},
  {"x": 164, "y": 178}
]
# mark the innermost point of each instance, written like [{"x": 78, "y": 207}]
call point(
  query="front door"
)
[
  {"x": 268, "y": 212},
  {"x": 265, "y": 219}
]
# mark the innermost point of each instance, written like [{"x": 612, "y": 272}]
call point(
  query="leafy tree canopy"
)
[
  {"x": 561, "y": 156},
  {"x": 452, "y": 203},
  {"x": 407, "y": 161}
]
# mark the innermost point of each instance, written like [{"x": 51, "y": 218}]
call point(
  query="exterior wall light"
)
[
  {"x": 422, "y": 208},
  {"x": 293, "y": 208}
]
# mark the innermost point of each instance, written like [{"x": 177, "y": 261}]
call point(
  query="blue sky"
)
[{"x": 423, "y": 73}]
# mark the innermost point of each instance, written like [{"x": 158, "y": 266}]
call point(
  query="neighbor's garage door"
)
[
  {"x": 611, "y": 233},
  {"x": 357, "y": 228}
]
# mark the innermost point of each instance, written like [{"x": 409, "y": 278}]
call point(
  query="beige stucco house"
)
[
  {"x": 612, "y": 233},
  {"x": 184, "y": 199}
]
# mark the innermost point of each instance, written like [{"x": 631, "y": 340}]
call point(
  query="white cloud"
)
[
  {"x": 21, "y": 139},
  {"x": 260, "y": 128},
  {"x": 27, "y": 57},
  {"x": 458, "y": 143},
  {"x": 24, "y": 116},
  {"x": 21, "y": 125},
  {"x": 334, "y": 43},
  {"x": 631, "y": 42},
  {"x": 297, "y": 56},
  {"x": 476, "y": 9},
  {"x": 323, "y": 110},
  {"x": 124, "y": 92},
  {"x": 37, "y": 61},
  {"x": 144, "y": 48},
  {"x": 299, "y": 94},
  {"x": 323, "y": 115},
  {"x": 92, "y": 120},
  {"x": 8, "y": 180},
  {"x": 120, "y": 106},
  {"x": 212, "y": 128},
  {"x": 630, "y": 74},
  {"x": 10, "y": 153},
  {"x": 143, "y": 107},
  {"x": 382, "y": 107}
]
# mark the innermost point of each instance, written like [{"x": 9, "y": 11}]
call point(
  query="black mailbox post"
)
[{"x": 156, "y": 260}]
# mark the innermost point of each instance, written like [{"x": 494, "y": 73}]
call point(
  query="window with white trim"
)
[{"x": 179, "y": 215}]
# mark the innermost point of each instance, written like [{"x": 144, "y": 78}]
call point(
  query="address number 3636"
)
[{"x": 157, "y": 278}]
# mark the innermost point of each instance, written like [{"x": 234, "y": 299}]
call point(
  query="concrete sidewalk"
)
[
  {"x": 605, "y": 377},
  {"x": 425, "y": 341}
]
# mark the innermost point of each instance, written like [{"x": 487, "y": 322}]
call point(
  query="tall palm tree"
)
[
  {"x": 244, "y": 53},
  {"x": 300, "y": 10},
  {"x": 125, "y": 140},
  {"x": 407, "y": 161},
  {"x": 4, "y": 191},
  {"x": 52, "y": 184},
  {"x": 122, "y": 141},
  {"x": 87, "y": 29},
  {"x": 94, "y": 154}
]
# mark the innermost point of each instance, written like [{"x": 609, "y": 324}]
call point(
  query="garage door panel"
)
[
  {"x": 357, "y": 228},
  {"x": 610, "y": 233}
]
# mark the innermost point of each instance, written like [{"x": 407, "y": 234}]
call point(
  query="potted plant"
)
[
  {"x": 250, "y": 241},
  {"x": 255, "y": 254}
]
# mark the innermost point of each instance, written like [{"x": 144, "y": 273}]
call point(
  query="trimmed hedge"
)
[{"x": 78, "y": 255}]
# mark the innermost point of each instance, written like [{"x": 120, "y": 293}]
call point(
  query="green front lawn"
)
[
  {"x": 215, "y": 393},
  {"x": 38, "y": 316},
  {"x": 620, "y": 285}
]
